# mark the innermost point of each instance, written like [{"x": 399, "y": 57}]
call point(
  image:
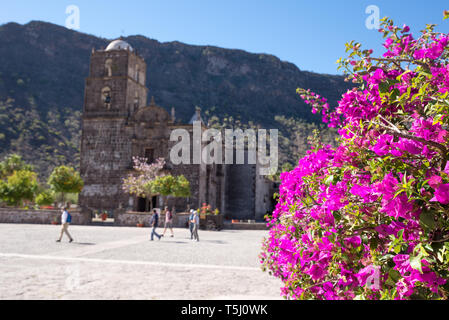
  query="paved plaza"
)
[{"x": 121, "y": 263}]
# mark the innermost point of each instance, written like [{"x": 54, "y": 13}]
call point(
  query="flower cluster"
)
[
  {"x": 139, "y": 182},
  {"x": 206, "y": 209},
  {"x": 369, "y": 219}
]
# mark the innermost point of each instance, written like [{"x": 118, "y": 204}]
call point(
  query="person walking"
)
[
  {"x": 191, "y": 222},
  {"x": 154, "y": 222},
  {"x": 196, "y": 225},
  {"x": 168, "y": 222},
  {"x": 66, "y": 219}
]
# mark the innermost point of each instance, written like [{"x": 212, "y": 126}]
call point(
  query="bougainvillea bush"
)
[{"x": 369, "y": 219}]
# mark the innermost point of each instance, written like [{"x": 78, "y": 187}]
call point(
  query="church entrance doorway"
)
[{"x": 143, "y": 205}]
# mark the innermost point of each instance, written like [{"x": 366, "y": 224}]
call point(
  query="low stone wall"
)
[
  {"x": 15, "y": 215},
  {"x": 131, "y": 219}
]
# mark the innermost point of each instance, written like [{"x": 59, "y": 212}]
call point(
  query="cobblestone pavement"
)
[{"x": 121, "y": 263}]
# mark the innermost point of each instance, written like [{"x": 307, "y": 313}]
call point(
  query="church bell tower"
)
[
  {"x": 116, "y": 82},
  {"x": 114, "y": 91}
]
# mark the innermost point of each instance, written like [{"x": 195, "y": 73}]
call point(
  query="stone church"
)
[{"x": 117, "y": 125}]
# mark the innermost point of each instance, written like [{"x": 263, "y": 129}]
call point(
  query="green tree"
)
[
  {"x": 21, "y": 185},
  {"x": 3, "y": 191},
  {"x": 11, "y": 163},
  {"x": 181, "y": 188},
  {"x": 169, "y": 185},
  {"x": 65, "y": 179}
]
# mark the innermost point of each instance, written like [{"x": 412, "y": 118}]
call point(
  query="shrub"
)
[
  {"x": 45, "y": 198},
  {"x": 369, "y": 219},
  {"x": 65, "y": 180},
  {"x": 21, "y": 185},
  {"x": 11, "y": 163}
]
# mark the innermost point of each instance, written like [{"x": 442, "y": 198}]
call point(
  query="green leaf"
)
[
  {"x": 336, "y": 215},
  {"x": 400, "y": 234},
  {"x": 384, "y": 87},
  {"x": 373, "y": 243},
  {"x": 390, "y": 282},
  {"x": 394, "y": 94},
  {"x": 394, "y": 275},
  {"x": 427, "y": 219},
  {"x": 387, "y": 257},
  {"x": 397, "y": 249},
  {"x": 329, "y": 179},
  {"x": 415, "y": 263}
]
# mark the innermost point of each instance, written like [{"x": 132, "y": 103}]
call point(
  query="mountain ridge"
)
[{"x": 43, "y": 67}]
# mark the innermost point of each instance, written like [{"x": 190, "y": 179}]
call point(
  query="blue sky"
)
[{"x": 310, "y": 34}]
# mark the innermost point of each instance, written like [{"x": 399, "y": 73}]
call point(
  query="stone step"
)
[
  {"x": 95, "y": 223},
  {"x": 245, "y": 226}
]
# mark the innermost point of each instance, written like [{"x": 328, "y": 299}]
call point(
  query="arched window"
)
[
  {"x": 106, "y": 97},
  {"x": 108, "y": 67}
]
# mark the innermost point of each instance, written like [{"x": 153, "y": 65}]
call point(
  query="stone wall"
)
[
  {"x": 240, "y": 191},
  {"x": 13, "y": 215},
  {"x": 105, "y": 156},
  {"x": 264, "y": 202}
]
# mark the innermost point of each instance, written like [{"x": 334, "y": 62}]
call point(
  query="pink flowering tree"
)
[
  {"x": 139, "y": 182},
  {"x": 369, "y": 219}
]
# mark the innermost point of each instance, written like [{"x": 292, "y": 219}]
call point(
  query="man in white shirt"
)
[{"x": 65, "y": 224}]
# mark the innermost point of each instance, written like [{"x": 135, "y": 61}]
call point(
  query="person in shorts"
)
[{"x": 168, "y": 222}]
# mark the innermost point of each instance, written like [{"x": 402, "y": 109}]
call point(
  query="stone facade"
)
[{"x": 118, "y": 125}]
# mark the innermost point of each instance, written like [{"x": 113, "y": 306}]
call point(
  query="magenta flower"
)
[
  {"x": 435, "y": 181},
  {"x": 365, "y": 192},
  {"x": 354, "y": 242},
  {"x": 383, "y": 145},
  {"x": 441, "y": 194},
  {"x": 399, "y": 206},
  {"x": 388, "y": 43},
  {"x": 419, "y": 54},
  {"x": 412, "y": 147},
  {"x": 317, "y": 272},
  {"x": 402, "y": 263}
]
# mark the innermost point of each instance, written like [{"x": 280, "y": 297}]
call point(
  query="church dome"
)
[{"x": 119, "y": 45}]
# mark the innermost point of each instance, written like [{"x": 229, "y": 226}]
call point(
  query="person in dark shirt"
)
[{"x": 154, "y": 223}]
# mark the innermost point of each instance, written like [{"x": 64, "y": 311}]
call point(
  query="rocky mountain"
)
[{"x": 43, "y": 67}]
